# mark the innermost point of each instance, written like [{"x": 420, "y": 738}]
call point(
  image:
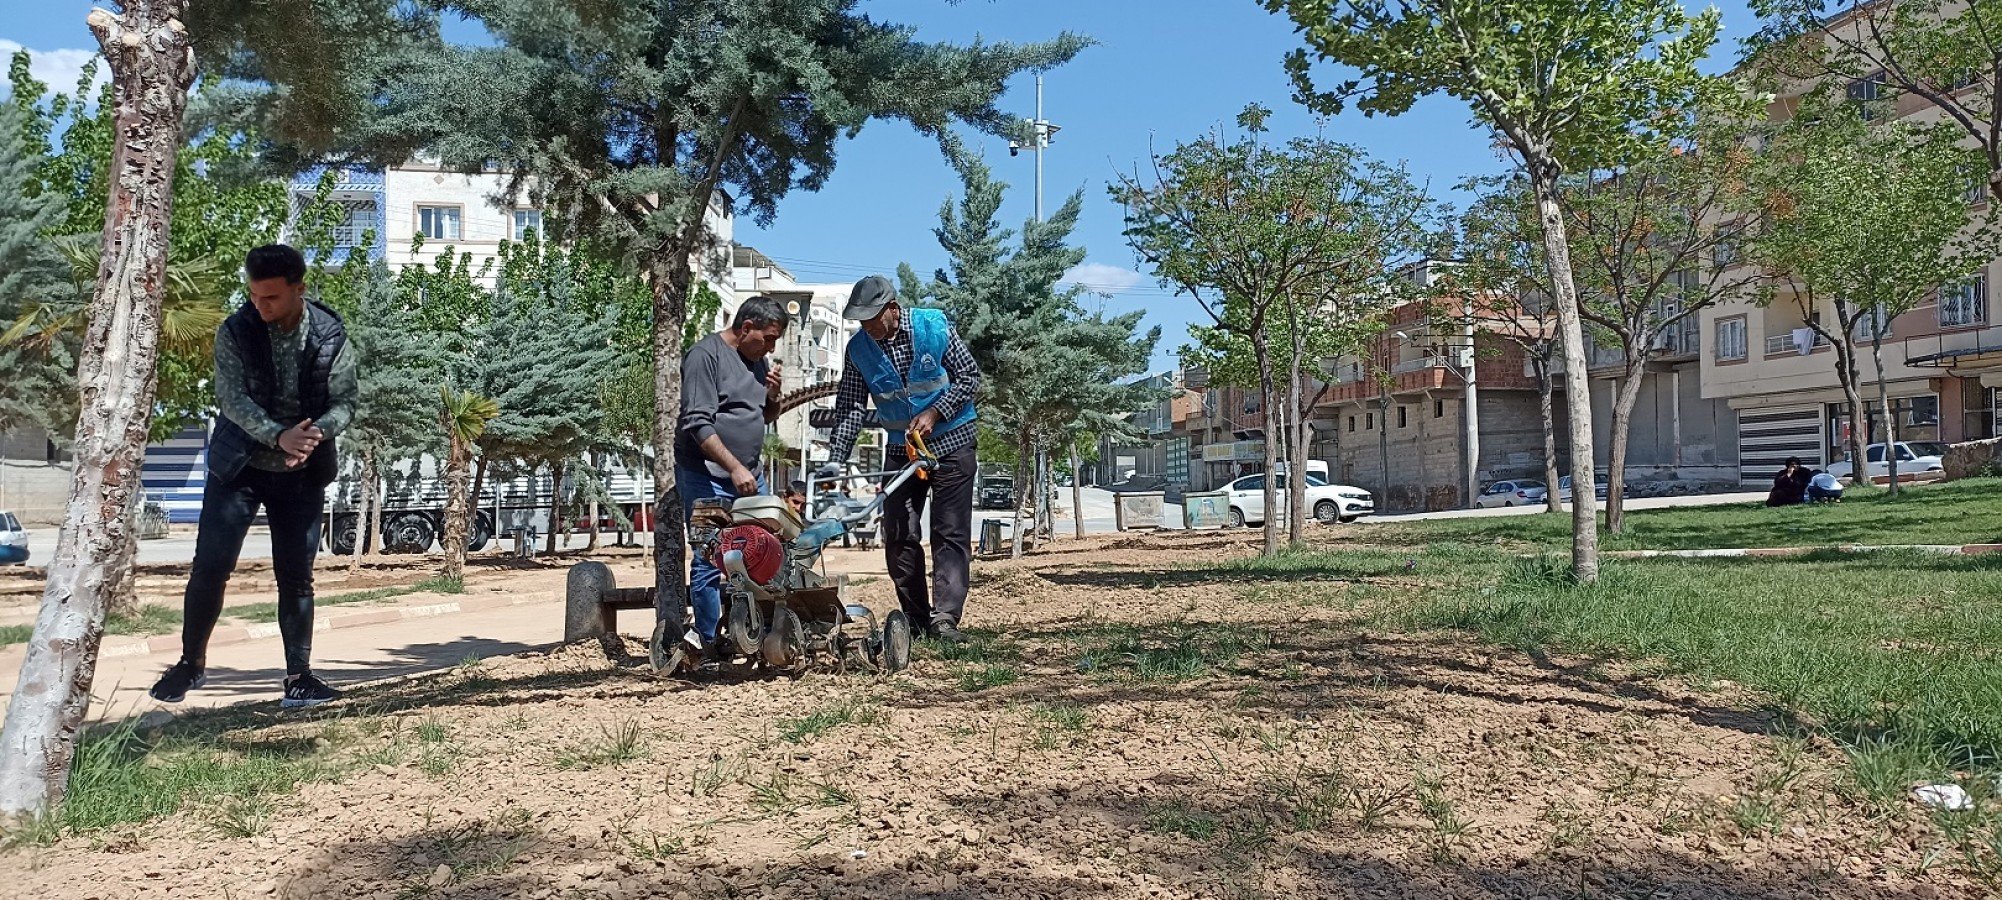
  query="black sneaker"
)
[
  {"x": 306, "y": 690},
  {"x": 179, "y": 680},
  {"x": 947, "y": 633}
]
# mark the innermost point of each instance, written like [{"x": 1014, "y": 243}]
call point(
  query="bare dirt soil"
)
[{"x": 1125, "y": 728}]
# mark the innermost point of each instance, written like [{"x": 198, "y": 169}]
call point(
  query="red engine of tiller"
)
[{"x": 763, "y": 554}]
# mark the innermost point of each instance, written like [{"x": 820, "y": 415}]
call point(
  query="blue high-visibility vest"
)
[{"x": 901, "y": 396}]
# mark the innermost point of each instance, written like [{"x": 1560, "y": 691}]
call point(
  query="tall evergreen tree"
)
[
  {"x": 396, "y": 404},
  {"x": 1049, "y": 369},
  {"x": 31, "y": 274},
  {"x": 542, "y": 357}
]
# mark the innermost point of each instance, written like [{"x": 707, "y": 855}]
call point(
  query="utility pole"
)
[
  {"x": 1473, "y": 400},
  {"x": 1038, "y": 133}
]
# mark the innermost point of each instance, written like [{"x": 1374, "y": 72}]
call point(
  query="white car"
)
[
  {"x": 1520, "y": 492},
  {"x": 13, "y": 539},
  {"x": 1328, "y": 503},
  {"x": 1914, "y": 457}
]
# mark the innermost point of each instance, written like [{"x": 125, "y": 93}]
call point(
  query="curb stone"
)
[{"x": 1941, "y": 549}]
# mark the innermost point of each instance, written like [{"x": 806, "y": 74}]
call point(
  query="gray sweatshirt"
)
[{"x": 723, "y": 394}]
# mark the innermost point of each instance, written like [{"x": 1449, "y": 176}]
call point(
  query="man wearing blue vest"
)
[{"x": 922, "y": 379}]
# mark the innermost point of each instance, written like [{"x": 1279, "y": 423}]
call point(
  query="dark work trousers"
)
[
  {"x": 951, "y": 490},
  {"x": 292, "y": 506}
]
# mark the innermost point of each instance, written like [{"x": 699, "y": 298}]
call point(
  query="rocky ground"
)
[{"x": 1127, "y": 726}]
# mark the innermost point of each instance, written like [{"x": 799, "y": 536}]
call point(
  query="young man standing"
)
[
  {"x": 285, "y": 384},
  {"x": 729, "y": 393},
  {"x": 922, "y": 379}
]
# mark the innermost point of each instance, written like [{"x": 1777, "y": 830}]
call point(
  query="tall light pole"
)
[{"x": 1038, "y": 132}]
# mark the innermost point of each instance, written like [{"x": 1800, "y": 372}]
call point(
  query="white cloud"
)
[
  {"x": 56, "y": 68},
  {"x": 1104, "y": 279}
]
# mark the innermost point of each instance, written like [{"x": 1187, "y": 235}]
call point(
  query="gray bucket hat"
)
[{"x": 868, "y": 298}]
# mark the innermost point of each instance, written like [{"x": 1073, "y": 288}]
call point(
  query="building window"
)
[
  {"x": 1438, "y": 409},
  {"x": 1731, "y": 338},
  {"x": 1977, "y": 188},
  {"x": 525, "y": 221},
  {"x": 1726, "y": 252},
  {"x": 1965, "y": 303},
  {"x": 1401, "y": 422},
  {"x": 1369, "y": 422},
  {"x": 1871, "y": 92},
  {"x": 1352, "y": 423},
  {"x": 439, "y": 223},
  {"x": 1873, "y": 325}
]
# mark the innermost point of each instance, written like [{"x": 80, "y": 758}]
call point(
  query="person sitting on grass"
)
[
  {"x": 1790, "y": 485},
  {"x": 1823, "y": 488}
]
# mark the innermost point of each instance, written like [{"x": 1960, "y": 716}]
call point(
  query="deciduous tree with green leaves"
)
[
  {"x": 1499, "y": 284},
  {"x": 1567, "y": 84},
  {"x": 1945, "y": 53},
  {"x": 631, "y": 120},
  {"x": 1288, "y": 248},
  {"x": 1861, "y": 223},
  {"x": 1650, "y": 233}
]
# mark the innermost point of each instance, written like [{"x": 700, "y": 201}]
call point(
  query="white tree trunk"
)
[
  {"x": 1890, "y": 437},
  {"x": 151, "y": 66},
  {"x": 1577, "y": 396},
  {"x": 1268, "y": 394},
  {"x": 369, "y": 511},
  {"x": 1547, "y": 408},
  {"x": 1616, "y": 461},
  {"x": 1077, "y": 488}
]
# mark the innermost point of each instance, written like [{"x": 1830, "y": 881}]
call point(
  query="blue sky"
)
[{"x": 1163, "y": 71}]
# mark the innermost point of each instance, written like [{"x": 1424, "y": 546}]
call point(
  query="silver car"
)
[{"x": 1519, "y": 492}]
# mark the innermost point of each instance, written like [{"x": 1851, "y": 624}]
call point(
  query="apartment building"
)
[
  {"x": 1942, "y": 361},
  {"x": 814, "y": 346}
]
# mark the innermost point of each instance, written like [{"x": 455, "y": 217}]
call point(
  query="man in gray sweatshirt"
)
[{"x": 729, "y": 392}]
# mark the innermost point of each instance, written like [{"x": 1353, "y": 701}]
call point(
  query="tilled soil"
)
[{"x": 1127, "y": 729}]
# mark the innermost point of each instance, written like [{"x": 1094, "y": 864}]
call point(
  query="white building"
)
[
  {"x": 814, "y": 346},
  {"x": 387, "y": 210}
]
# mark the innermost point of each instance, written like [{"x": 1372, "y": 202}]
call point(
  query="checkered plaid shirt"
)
[{"x": 852, "y": 398}]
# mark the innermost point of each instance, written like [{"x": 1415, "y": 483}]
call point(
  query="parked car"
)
[
  {"x": 1520, "y": 492},
  {"x": 1136, "y": 484},
  {"x": 1564, "y": 488},
  {"x": 13, "y": 539},
  {"x": 1914, "y": 457},
  {"x": 1327, "y": 503},
  {"x": 997, "y": 492}
]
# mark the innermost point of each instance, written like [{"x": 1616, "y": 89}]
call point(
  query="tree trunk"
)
[
  {"x": 672, "y": 273},
  {"x": 1852, "y": 394},
  {"x": 1021, "y": 485},
  {"x": 459, "y": 501},
  {"x": 1577, "y": 398},
  {"x": 151, "y": 67},
  {"x": 1616, "y": 460},
  {"x": 597, "y": 486},
  {"x": 672, "y": 282},
  {"x": 1890, "y": 438},
  {"x": 556, "y": 472},
  {"x": 1296, "y": 445},
  {"x": 1268, "y": 393},
  {"x": 122, "y": 595},
  {"x": 1546, "y": 387},
  {"x": 370, "y": 511},
  {"x": 1077, "y": 488}
]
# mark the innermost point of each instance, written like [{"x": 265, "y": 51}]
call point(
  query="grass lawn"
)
[
  {"x": 1962, "y": 512},
  {"x": 1897, "y": 655}
]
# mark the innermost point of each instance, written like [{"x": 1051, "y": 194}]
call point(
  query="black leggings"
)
[{"x": 292, "y": 505}]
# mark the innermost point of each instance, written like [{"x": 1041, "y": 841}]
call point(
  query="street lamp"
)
[
  {"x": 1463, "y": 366},
  {"x": 1037, "y": 134}
]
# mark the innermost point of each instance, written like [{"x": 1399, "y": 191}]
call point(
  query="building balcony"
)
[{"x": 1970, "y": 348}]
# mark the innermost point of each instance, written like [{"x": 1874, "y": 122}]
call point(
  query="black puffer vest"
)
[{"x": 230, "y": 448}]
